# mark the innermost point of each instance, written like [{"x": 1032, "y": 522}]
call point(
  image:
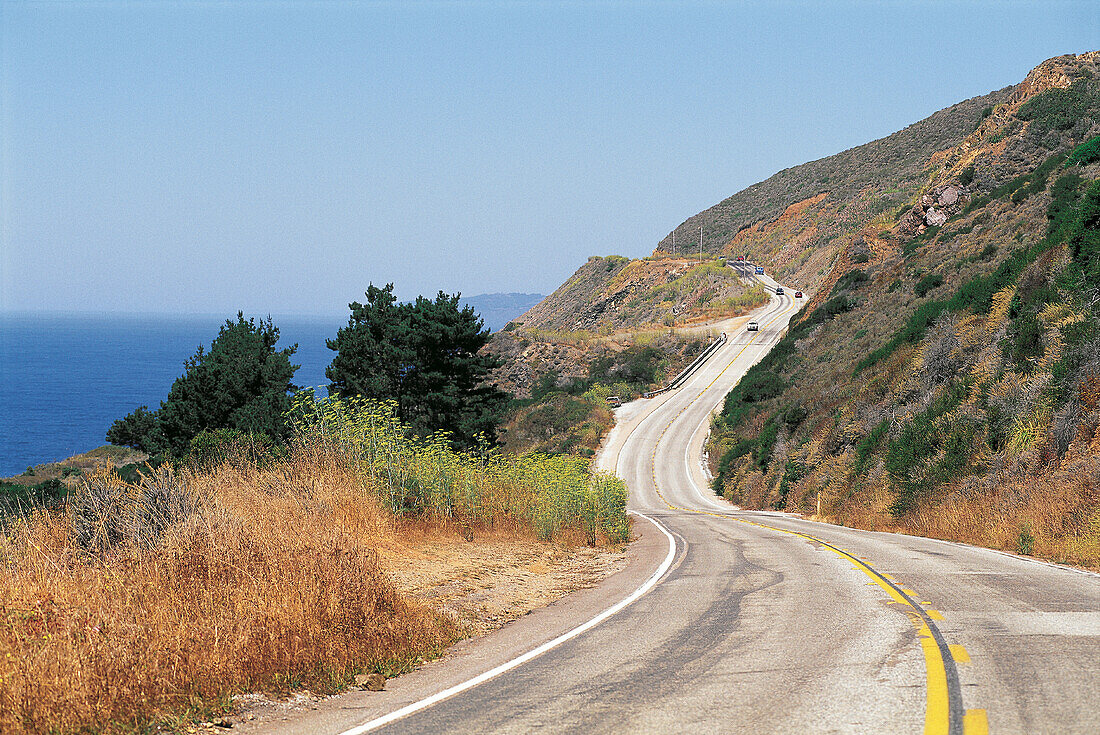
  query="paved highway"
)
[{"x": 766, "y": 623}]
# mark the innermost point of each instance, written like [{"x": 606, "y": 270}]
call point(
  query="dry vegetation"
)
[{"x": 156, "y": 602}]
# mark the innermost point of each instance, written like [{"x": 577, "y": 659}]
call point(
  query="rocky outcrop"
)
[{"x": 935, "y": 208}]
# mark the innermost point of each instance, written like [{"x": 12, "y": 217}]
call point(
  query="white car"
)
[{"x": 753, "y": 327}]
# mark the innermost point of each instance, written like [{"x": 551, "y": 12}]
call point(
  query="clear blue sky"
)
[{"x": 277, "y": 157}]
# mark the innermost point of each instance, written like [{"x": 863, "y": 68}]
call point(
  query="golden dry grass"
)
[
  {"x": 273, "y": 584},
  {"x": 1031, "y": 507},
  {"x": 155, "y": 603}
]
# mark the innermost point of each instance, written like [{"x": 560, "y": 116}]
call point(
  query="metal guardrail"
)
[{"x": 686, "y": 372}]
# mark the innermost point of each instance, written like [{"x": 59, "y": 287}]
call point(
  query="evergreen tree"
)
[
  {"x": 425, "y": 357},
  {"x": 241, "y": 383},
  {"x": 373, "y": 351}
]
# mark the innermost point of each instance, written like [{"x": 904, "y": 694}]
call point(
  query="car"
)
[
  {"x": 798, "y": 294},
  {"x": 759, "y": 270},
  {"x": 753, "y": 327},
  {"x": 778, "y": 290},
  {"x": 740, "y": 258}
]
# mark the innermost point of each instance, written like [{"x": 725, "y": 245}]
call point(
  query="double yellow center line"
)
[{"x": 943, "y": 714}]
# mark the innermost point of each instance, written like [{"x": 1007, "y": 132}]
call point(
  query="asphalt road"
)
[{"x": 767, "y": 623}]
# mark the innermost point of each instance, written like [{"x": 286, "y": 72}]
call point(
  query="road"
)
[{"x": 769, "y": 623}]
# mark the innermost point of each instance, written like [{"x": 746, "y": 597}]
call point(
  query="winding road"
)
[{"x": 730, "y": 621}]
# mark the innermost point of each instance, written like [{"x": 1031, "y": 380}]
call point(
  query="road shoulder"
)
[{"x": 466, "y": 659}]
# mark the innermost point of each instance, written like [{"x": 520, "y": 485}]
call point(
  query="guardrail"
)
[{"x": 686, "y": 372}]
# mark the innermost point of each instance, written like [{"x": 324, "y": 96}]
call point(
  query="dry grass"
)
[
  {"x": 273, "y": 583},
  {"x": 156, "y": 603},
  {"x": 1026, "y": 506}
]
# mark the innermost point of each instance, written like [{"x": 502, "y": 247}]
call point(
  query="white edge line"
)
[{"x": 533, "y": 653}]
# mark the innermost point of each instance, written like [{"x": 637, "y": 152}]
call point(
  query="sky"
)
[{"x": 277, "y": 157}]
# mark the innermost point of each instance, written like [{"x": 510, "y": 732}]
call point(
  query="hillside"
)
[
  {"x": 816, "y": 202},
  {"x": 618, "y": 327},
  {"x": 944, "y": 380},
  {"x": 614, "y": 294}
]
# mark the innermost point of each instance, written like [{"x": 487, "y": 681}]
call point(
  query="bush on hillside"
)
[
  {"x": 1059, "y": 109},
  {"x": 926, "y": 284},
  {"x": 1086, "y": 153}
]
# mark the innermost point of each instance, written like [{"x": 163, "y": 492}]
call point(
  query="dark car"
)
[
  {"x": 753, "y": 327},
  {"x": 798, "y": 294},
  {"x": 778, "y": 290}
]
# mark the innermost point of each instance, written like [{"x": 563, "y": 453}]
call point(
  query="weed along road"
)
[{"x": 753, "y": 622}]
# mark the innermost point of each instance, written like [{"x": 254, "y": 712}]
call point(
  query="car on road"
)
[
  {"x": 759, "y": 270},
  {"x": 740, "y": 258},
  {"x": 778, "y": 290},
  {"x": 753, "y": 327},
  {"x": 798, "y": 294}
]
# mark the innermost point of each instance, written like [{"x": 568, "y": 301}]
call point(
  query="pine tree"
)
[
  {"x": 426, "y": 357},
  {"x": 241, "y": 383}
]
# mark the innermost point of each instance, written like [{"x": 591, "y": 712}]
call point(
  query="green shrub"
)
[
  {"x": 1025, "y": 542},
  {"x": 926, "y": 284},
  {"x": 966, "y": 175},
  {"x": 868, "y": 444},
  {"x": 794, "y": 415},
  {"x": 761, "y": 386},
  {"x": 1065, "y": 192},
  {"x": 765, "y": 442},
  {"x": 16, "y": 498},
  {"x": 918, "y": 442},
  {"x": 988, "y": 253},
  {"x": 792, "y": 473},
  {"x": 1058, "y": 109},
  {"x": 1086, "y": 153},
  {"x": 851, "y": 279},
  {"x": 1084, "y": 235}
]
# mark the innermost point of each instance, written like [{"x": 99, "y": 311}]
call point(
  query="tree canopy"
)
[
  {"x": 241, "y": 383},
  {"x": 425, "y": 357}
]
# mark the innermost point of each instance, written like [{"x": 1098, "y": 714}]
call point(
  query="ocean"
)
[{"x": 65, "y": 378}]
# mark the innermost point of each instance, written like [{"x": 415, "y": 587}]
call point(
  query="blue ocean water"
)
[{"x": 65, "y": 378}]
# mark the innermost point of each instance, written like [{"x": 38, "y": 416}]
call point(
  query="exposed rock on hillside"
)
[{"x": 857, "y": 175}]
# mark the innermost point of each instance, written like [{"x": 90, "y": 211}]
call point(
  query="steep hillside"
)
[
  {"x": 816, "y": 202},
  {"x": 614, "y": 294},
  {"x": 946, "y": 377}
]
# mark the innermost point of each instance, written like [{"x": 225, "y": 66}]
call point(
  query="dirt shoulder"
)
[{"x": 484, "y": 584}]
